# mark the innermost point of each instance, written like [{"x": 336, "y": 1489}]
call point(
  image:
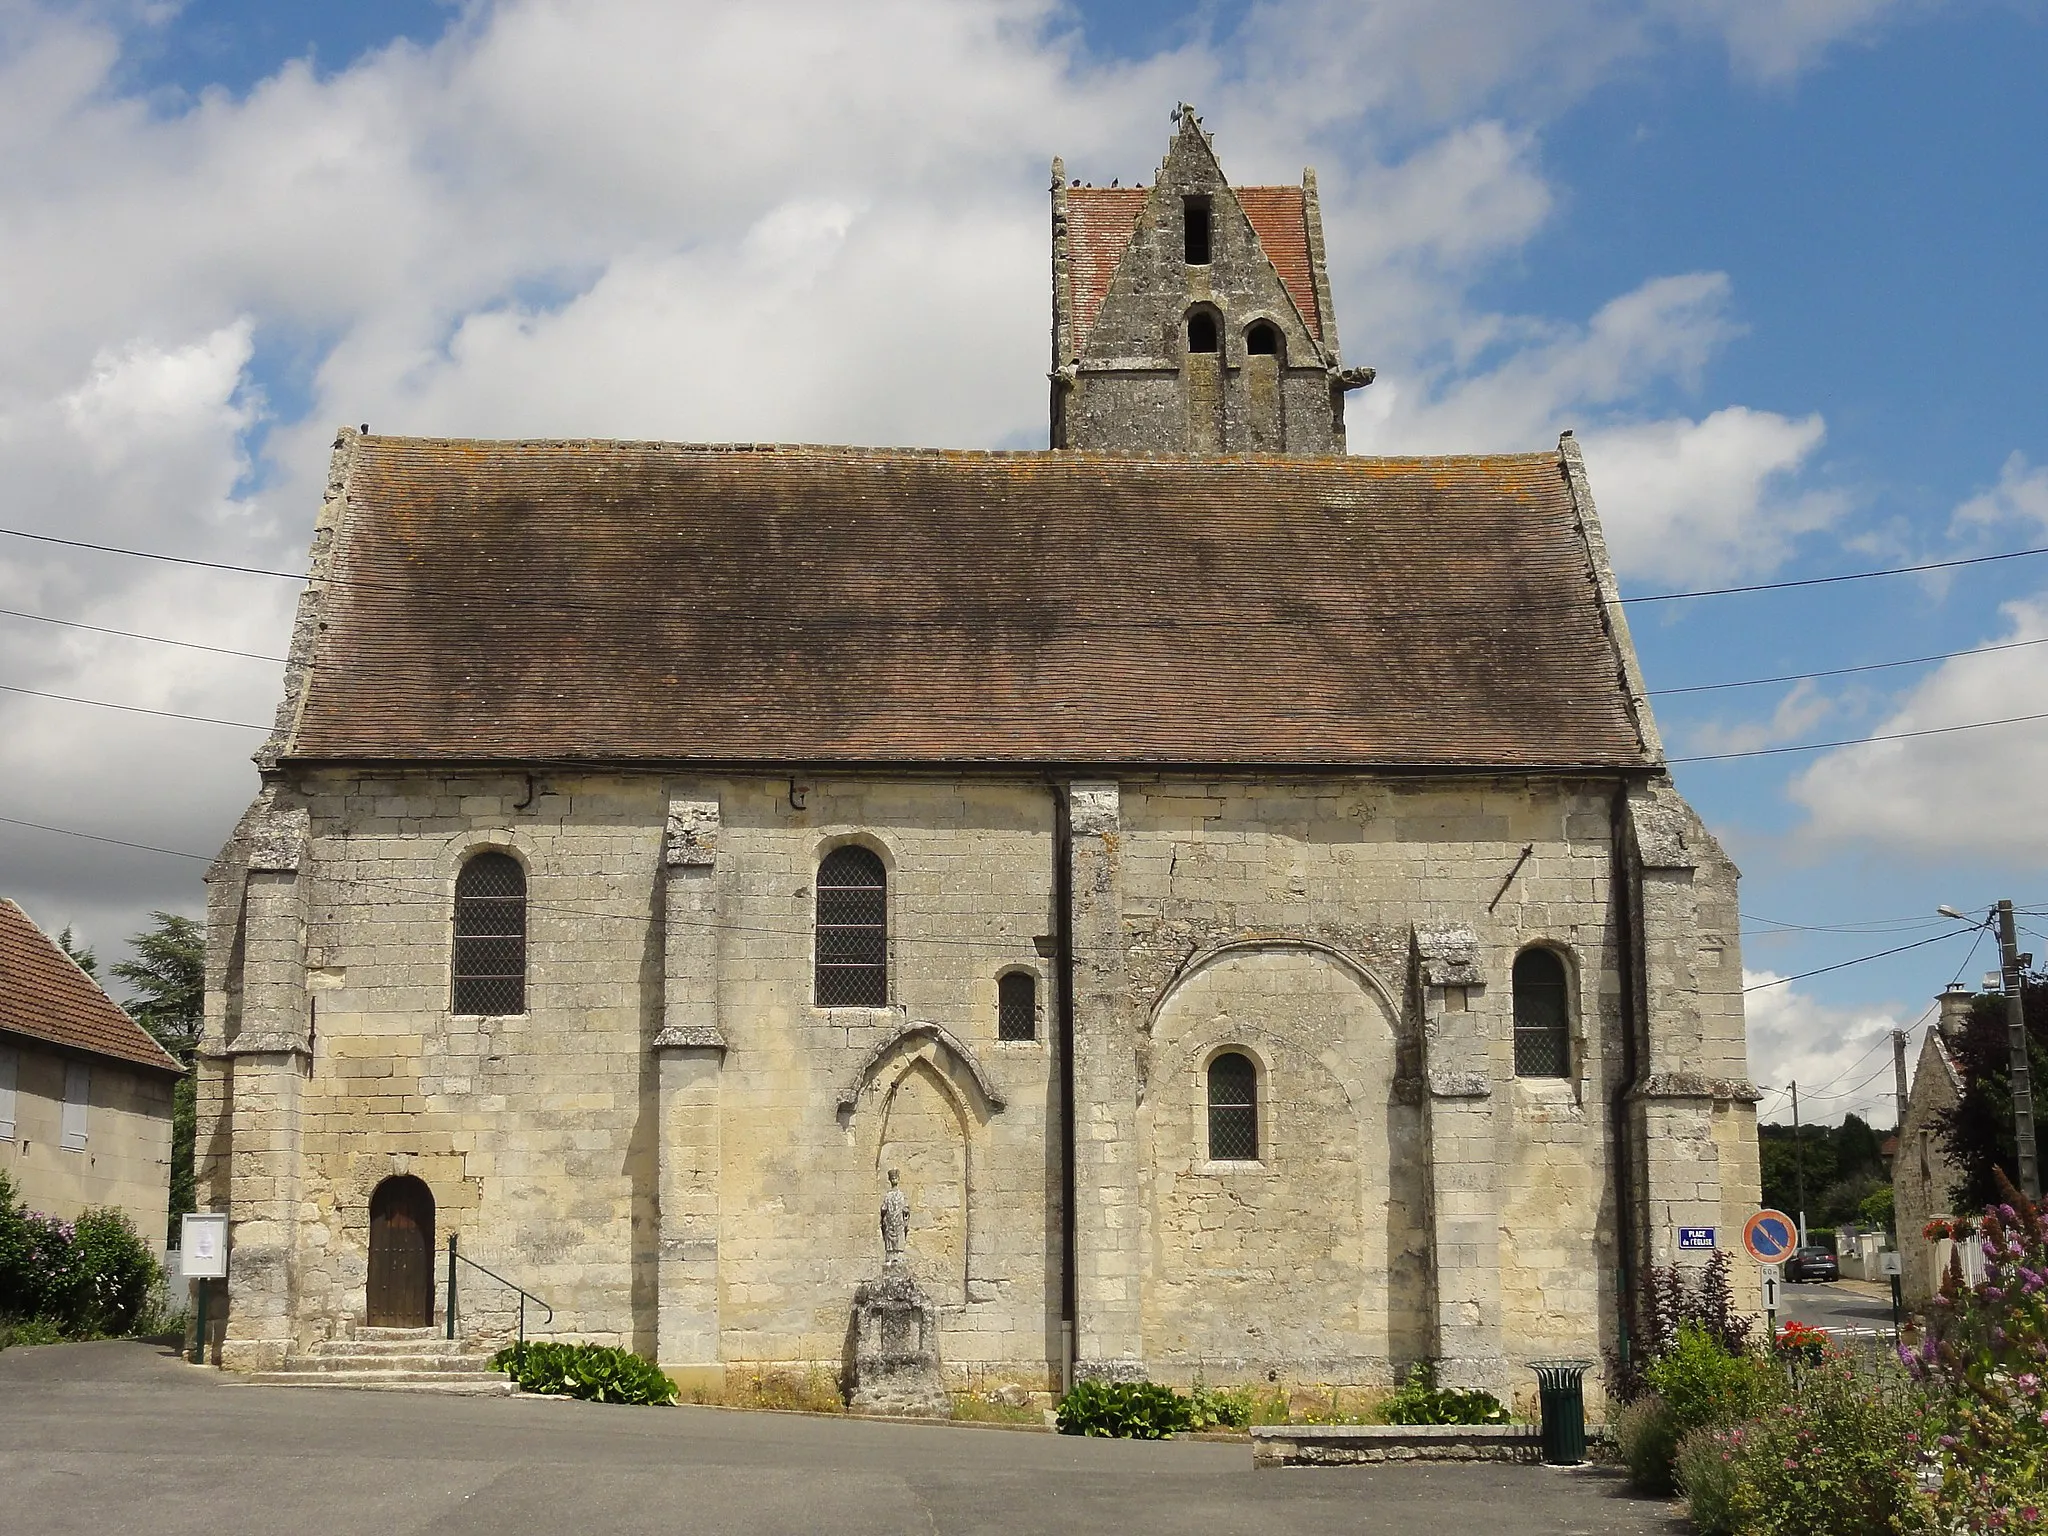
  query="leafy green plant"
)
[
  {"x": 1419, "y": 1400},
  {"x": 595, "y": 1372},
  {"x": 1646, "y": 1433},
  {"x": 88, "y": 1278},
  {"x": 1214, "y": 1408},
  {"x": 1124, "y": 1410},
  {"x": 1836, "y": 1455},
  {"x": 1703, "y": 1383},
  {"x": 1706, "y": 1471},
  {"x": 28, "y": 1330}
]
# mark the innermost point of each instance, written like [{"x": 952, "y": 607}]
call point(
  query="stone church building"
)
[{"x": 1236, "y": 884}]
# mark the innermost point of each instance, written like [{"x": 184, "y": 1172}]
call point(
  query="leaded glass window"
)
[
  {"x": 1017, "y": 1006},
  {"x": 1543, "y": 1046},
  {"x": 1233, "y": 1109},
  {"x": 853, "y": 930},
  {"x": 490, "y": 936}
]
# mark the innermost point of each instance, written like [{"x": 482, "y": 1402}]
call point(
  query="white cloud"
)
[
  {"x": 1840, "y": 1057},
  {"x": 2021, "y": 496},
  {"x": 1976, "y": 793},
  {"x": 1705, "y": 500},
  {"x": 798, "y": 219}
]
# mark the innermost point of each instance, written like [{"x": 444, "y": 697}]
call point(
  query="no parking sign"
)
[{"x": 1770, "y": 1236}]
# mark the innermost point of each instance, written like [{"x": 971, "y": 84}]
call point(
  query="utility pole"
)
[
  {"x": 2016, "y": 1038},
  {"x": 1799, "y": 1162},
  {"x": 1899, "y": 1078}
]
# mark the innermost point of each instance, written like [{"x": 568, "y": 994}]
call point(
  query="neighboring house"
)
[
  {"x": 85, "y": 1092},
  {"x": 1241, "y": 891},
  {"x": 1923, "y": 1178}
]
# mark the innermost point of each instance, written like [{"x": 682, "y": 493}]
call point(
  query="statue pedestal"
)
[{"x": 896, "y": 1348}]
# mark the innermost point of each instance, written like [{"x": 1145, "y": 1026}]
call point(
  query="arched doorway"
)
[{"x": 401, "y": 1293}]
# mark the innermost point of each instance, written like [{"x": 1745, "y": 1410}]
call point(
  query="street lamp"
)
[{"x": 2016, "y": 1042}]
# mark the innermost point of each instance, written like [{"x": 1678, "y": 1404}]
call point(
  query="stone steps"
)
[
  {"x": 445, "y": 1383},
  {"x": 391, "y": 1360}
]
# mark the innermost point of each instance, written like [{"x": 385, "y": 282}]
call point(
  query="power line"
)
[
  {"x": 94, "y": 837},
  {"x": 129, "y": 634},
  {"x": 1871, "y": 666},
  {"x": 1841, "y": 965},
  {"x": 1823, "y": 581},
  {"x": 131, "y": 709},
  {"x": 1648, "y": 597},
  {"x": 1854, "y": 741}
]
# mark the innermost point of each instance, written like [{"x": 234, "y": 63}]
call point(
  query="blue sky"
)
[{"x": 1777, "y": 261}]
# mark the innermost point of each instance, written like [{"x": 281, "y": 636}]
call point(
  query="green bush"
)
[
  {"x": 1836, "y": 1456},
  {"x": 1705, "y": 1469},
  {"x": 1419, "y": 1400},
  {"x": 1210, "y": 1408},
  {"x": 597, "y": 1373},
  {"x": 88, "y": 1278},
  {"x": 1647, "y": 1434},
  {"x": 1703, "y": 1383},
  {"x": 1124, "y": 1410}
]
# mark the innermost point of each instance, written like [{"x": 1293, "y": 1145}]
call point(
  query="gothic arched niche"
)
[
  {"x": 1320, "y": 1240},
  {"x": 923, "y": 1134}
]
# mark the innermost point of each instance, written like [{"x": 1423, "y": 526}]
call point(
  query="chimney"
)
[{"x": 1955, "y": 1009}]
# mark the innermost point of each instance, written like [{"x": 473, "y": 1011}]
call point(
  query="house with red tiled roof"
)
[
  {"x": 1233, "y": 890},
  {"x": 85, "y": 1091}
]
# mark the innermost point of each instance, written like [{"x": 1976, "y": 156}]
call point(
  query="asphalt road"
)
[
  {"x": 1837, "y": 1304},
  {"x": 123, "y": 1437}
]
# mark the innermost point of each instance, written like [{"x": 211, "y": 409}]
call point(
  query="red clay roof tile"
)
[
  {"x": 661, "y": 603},
  {"x": 43, "y": 996}
]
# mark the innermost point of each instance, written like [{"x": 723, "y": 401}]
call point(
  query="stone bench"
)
[{"x": 1323, "y": 1445}]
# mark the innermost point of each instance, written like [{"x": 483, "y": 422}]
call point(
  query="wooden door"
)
[{"x": 401, "y": 1293}]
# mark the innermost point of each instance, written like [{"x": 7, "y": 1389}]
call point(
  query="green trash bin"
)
[{"x": 1561, "y": 1389}]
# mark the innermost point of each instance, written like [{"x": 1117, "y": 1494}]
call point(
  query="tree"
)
[
  {"x": 84, "y": 959},
  {"x": 1977, "y": 1134},
  {"x": 169, "y": 976}
]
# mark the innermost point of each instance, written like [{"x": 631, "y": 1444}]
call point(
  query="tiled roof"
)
[
  {"x": 1279, "y": 217},
  {"x": 45, "y": 997},
  {"x": 662, "y": 603},
  {"x": 1099, "y": 225},
  {"x": 1100, "y": 221}
]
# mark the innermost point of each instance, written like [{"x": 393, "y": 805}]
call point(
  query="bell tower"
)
[{"x": 1193, "y": 316}]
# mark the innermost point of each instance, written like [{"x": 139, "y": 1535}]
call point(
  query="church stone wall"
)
[
  {"x": 685, "y": 1155},
  {"x": 1327, "y": 1263}
]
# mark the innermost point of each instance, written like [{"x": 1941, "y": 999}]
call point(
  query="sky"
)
[{"x": 1776, "y": 262}]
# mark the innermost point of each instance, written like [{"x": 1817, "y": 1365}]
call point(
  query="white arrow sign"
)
[{"x": 1770, "y": 1278}]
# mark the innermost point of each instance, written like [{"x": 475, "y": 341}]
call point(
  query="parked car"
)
[{"x": 1812, "y": 1264}]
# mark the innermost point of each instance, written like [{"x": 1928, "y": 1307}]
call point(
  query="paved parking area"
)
[{"x": 124, "y": 1437}]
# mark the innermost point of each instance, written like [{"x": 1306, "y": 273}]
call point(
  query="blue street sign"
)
[
  {"x": 1695, "y": 1237},
  {"x": 1769, "y": 1236}
]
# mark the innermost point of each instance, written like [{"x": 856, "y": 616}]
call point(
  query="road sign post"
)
[{"x": 1770, "y": 1236}]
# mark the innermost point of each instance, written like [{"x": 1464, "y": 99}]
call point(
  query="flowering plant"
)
[
  {"x": 1804, "y": 1342},
  {"x": 1986, "y": 1347}
]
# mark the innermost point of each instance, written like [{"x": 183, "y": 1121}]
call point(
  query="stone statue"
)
[
  {"x": 895, "y": 1221},
  {"x": 894, "y": 1332}
]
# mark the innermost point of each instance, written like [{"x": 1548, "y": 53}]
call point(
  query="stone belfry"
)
[{"x": 1192, "y": 316}]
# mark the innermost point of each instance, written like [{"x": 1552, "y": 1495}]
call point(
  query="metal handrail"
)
[{"x": 519, "y": 1354}]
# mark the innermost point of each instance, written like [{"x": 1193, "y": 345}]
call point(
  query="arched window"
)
[
  {"x": 1201, "y": 331},
  {"x": 490, "y": 935},
  {"x": 1017, "y": 1006},
  {"x": 853, "y": 930},
  {"x": 1233, "y": 1109},
  {"x": 1543, "y": 1045},
  {"x": 1262, "y": 340}
]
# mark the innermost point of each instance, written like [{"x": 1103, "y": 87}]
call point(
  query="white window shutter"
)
[
  {"x": 7, "y": 1060},
  {"x": 77, "y": 1095}
]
